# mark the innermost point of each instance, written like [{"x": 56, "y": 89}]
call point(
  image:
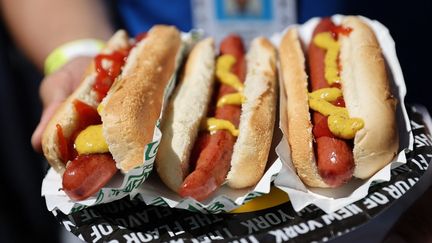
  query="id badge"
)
[{"x": 248, "y": 18}]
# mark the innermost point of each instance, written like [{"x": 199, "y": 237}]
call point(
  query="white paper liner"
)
[
  {"x": 120, "y": 185},
  {"x": 331, "y": 200},
  {"x": 225, "y": 199}
]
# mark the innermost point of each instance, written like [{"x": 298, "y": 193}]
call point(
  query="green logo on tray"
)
[
  {"x": 100, "y": 196},
  {"x": 192, "y": 208},
  {"x": 151, "y": 150},
  {"x": 133, "y": 181},
  {"x": 253, "y": 195},
  {"x": 216, "y": 207},
  {"x": 159, "y": 202},
  {"x": 78, "y": 207},
  {"x": 114, "y": 192}
]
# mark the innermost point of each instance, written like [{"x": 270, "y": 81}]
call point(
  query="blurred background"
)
[{"x": 23, "y": 214}]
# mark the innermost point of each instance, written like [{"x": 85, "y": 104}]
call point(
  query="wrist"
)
[{"x": 70, "y": 50}]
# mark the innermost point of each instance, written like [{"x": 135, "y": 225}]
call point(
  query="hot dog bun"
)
[
  {"x": 257, "y": 118},
  {"x": 133, "y": 104},
  {"x": 367, "y": 95},
  {"x": 66, "y": 115},
  {"x": 188, "y": 108},
  {"x": 128, "y": 112},
  {"x": 300, "y": 138}
]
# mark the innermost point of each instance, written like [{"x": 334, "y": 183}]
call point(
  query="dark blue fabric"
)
[
  {"x": 140, "y": 15},
  {"x": 316, "y": 8},
  {"x": 406, "y": 21},
  {"x": 23, "y": 213}
]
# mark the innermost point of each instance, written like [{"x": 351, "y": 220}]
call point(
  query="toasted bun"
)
[
  {"x": 187, "y": 108},
  {"x": 366, "y": 93},
  {"x": 189, "y": 104},
  {"x": 299, "y": 135},
  {"x": 257, "y": 117},
  {"x": 66, "y": 116},
  {"x": 134, "y": 102},
  {"x": 368, "y": 96}
]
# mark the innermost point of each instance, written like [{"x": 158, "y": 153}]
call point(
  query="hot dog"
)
[
  {"x": 334, "y": 156},
  {"x": 219, "y": 129},
  {"x": 105, "y": 124},
  {"x": 342, "y": 122}
]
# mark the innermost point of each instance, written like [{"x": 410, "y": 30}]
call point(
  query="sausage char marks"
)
[
  {"x": 334, "y": 155},
  {"x": 218, "y": 125},
  {"x": 211, "y": 156}
]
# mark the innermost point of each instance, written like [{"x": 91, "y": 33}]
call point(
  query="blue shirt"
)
[{"x": 140, "y": 15}]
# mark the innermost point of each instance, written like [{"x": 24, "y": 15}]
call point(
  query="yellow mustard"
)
[
  {"x": 344, "y": 127},
  {"x": 326, "y": 108},
  {"x": 100, "y": 108},
  {"x": 213, "y": 124},
  {"x": 231, "y": 99},
  {"x": 91, "y": 141},
  {"x": 325, "y": 40},
  {"x": 339, "y": 122},
  {"x": 224, "y": 64},
  {"x": 328, "y": 94}
]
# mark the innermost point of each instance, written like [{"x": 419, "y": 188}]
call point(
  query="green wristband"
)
[{"x": 62, "y": 54}]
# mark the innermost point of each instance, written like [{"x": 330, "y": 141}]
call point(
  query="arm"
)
[{"x": 38, "y": 27}]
